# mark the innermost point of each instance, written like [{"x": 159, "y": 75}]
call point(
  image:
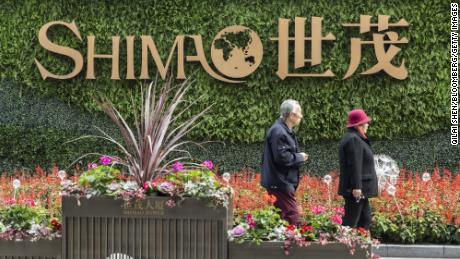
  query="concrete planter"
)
[
  {"x": 103, "y": 227},
  {"x": 418, "y": 251},
  {"x": 274, "y": 250},
  {"x": 41, "y": 249}
]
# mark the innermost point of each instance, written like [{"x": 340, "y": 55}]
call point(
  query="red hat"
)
[{"x": 357, "y": 117}]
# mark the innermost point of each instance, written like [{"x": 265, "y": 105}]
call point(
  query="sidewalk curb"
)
[{"x": 419, "y": 251}]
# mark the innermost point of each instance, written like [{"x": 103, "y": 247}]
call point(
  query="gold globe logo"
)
[{"x": 236, "y": 51}]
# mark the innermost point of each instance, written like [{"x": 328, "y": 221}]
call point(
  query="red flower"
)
[
  {"x": 304, "y": 229},
  {"x": 362, "y": 231},
  {"x": 271, "y": 199},
  {"x": 291, "y": 228},
  {"x": 56, "y": 225}
]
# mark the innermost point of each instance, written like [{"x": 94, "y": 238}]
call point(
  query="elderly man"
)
[{"x": 281, "y": 161}]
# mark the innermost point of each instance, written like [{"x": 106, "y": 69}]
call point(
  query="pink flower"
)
[
  {"x": 105, "y": 160},
  {"x": 290, "y": 233},
  {"x": 252, "y": 224},
  {"x": 208, "y": 164},
  {"x": 178, "y": 167},
  {"x": 238, "y": 231},
  {"x": 9, "y": 201},
  {"x": 170, "y": 203},
  {"x": 166, "y": 187},
  {"x": 146, "y": 186},
  {"x": 92, "y": 166},
  {"x": 318, "y": 209},
  {"x": 322, "y": 238},
  {"x": 29, "y": 202},
  {"x": 340, "y": 211},
  {"x": 336, "y": 219}
]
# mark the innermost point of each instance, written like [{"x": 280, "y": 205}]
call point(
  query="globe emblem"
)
[{"x": 236, "y": 51}]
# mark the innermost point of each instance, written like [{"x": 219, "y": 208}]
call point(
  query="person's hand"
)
[
  {"x": 357, "y": 193},
  {"x": 305, "y": 156}
]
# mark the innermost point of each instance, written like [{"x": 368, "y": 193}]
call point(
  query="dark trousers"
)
[
  {"x": 286, "y": 202},
  {"x": 357, "y": 214}
]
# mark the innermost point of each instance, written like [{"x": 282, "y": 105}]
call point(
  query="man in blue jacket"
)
[{"x": 281, "y": 161}]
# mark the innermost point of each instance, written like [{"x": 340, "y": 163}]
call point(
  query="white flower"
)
[
  {"x": 113, "y": 186},
  {"x": 16, "y": 183},
  {"x": 230, "y": 235},
  {"x": 2, "y": 227},
  {"x": 66, "y": 183},
  {"x": 189, "y": 186},
  {"x": 131, "y": 185},
  {"x": 391, "y": 190},
  {"x": 277, "y": 234},
  {"x": 327, "y": 179},
  {"x": 34, "y": 229},
  {"x": 226, "y": 177},
  {"x": 62, "y": 174},
  {"x": 426, "y": 177}
]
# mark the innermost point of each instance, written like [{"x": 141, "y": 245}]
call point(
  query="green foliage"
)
[
  {"x": 242, "y": 113},
  {"x": 266, "y": 221},
  {"x": 429, "y": 228},
  {"x": 22, "y": 217},
  {"x": 321, "y": 223},
  {"x": 199, "y": 184},
  {"x": 98, "y": 178},
  {"x": 455, "y": 233},
  {"x": 194, "y": 177},
  {"x": 415, "y": 154}
]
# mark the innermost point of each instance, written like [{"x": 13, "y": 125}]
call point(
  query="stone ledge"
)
[{"x": 418, "y": 251}]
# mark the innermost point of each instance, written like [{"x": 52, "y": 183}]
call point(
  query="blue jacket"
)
[{"x": 281, "y": 158}]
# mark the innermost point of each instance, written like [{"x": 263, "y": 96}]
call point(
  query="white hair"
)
[{"x": 287, "y": 107}]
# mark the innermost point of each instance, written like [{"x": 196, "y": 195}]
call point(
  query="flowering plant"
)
[
  {"x": 422, "y": 209},
  {"x": 355, "y": 238},
  {"x": 198, "y": 182},
  {"x": 267, "y": 225},
  {"x": 150, "y": 145},
  {"x": 321, "y": 220},
  {"x": 26, "y": 220},
  {"x": 259, "y": 225},
  {"x": 97, "y": 179}
]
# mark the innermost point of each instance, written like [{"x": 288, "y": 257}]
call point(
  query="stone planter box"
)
[
  {"x": 418, "y": 251},
  {"x": 41, "y": 249},
  {"x": 103, "y": 227},
  {"x": 274, "y": 250}
]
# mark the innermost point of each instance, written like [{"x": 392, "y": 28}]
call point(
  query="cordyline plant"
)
[{"x": 148, "y": 146}]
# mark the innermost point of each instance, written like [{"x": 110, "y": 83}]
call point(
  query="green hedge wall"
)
[
  {"x": 34, "y": 131},
  {"x": 413, "y": 107}
]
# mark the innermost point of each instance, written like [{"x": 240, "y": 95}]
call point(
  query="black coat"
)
[
  {"x": 357, "y": 168},
  {"x": 281, "y": 158}
]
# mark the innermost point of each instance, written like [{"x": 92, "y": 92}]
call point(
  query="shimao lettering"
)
[{"x": 237, "y": 51}]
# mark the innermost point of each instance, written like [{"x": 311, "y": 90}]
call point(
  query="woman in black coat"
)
[{"x": 358, "y": 179}]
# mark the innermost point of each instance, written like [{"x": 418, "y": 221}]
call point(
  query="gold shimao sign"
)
[{"x": 236, "y": 51}]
